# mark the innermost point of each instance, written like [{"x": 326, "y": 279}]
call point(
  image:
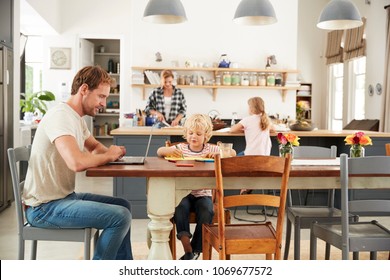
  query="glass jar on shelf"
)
[
  {"x": 218, "y": 80},
  {"x": 187, "y": 79},
  {"x": 278, "y": 80},
  {"x": 227, "y": 79},
  {"x": 181, "y": 80},
  {"x": 271, "y": 79},
  {"x": 262, "y": 80},
  {"x": 235, "y": 79},
  {"x": 244, "y": 79},
  {"x": 253, "y": 79}
]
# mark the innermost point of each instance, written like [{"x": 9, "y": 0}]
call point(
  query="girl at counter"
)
[
  {"x": 167, "y": 102},
  {"x": 197, "y": 131},
  {"x": 256, "y": 127}
]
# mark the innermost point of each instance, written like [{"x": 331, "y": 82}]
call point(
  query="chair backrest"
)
[
  {"x": 250, "y": 166},
  {"x": 315, "y": 152},
  {"x": 387, "y": 149},
  {"x": 15, "y": 156},
  {"x": 373, "y": 166}
]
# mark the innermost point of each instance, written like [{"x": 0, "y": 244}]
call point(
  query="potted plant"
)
[{"x": 31, "y": 103}]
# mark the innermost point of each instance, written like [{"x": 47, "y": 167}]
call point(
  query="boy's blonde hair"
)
[{"x": 199, "y": 122}]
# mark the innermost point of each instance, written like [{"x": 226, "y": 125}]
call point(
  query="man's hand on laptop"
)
[{"x": 116, "y": 152}]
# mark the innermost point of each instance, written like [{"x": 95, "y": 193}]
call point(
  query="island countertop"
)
[{"x": 145, "y": 130}]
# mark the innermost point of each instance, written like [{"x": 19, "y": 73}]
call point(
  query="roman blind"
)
[
  {"x": 354, "y": 43},
  {"x": 334, "y": 51}
]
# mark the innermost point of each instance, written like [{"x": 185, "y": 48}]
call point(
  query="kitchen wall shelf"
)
[
  {"x": 107, "y": 114},
  {"x": 217, "y": 71}
]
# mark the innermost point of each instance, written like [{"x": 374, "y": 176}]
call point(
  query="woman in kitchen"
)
[{"x": 167, "y": 102}]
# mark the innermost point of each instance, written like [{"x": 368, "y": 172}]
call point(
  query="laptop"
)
[{"x": 132, "y": 160}]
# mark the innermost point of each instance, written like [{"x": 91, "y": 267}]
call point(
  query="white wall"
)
[
  {"x": 311, "y": 56},
  {"x": 209, "y": 32},
  {"x": 376, "y": 41}
]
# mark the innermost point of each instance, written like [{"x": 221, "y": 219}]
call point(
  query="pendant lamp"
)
[
  {"x": 165, "y": 12},
  {"x": 255, "y": 12},
  {"x": 338, "y": 15}
]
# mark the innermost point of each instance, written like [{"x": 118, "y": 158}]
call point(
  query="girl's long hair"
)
[{"x": 256, "y": 106}]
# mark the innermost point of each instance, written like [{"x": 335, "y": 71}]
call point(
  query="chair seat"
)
[
  {"x": 307, "y": 215},
  {"x": 362, "y": 235},
  {"x": 241, "y": 238},
  {"x": 75, "y": 235},
  {"x": 312, "y": 212}
]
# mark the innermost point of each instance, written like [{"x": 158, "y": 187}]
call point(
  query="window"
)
[
  {"x": 358, "y": 81},
  {"x": 352, "y": 105},
  {"x": 34, "y": 61},
  {"x": 336, "y": 96}
]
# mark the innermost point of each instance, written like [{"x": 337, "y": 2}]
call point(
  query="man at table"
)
[{"x": 63, "y": 146}]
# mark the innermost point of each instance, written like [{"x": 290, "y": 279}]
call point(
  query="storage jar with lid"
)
[
  {"x": 245, "y": 79},
  {"x": 253, "y": 79},
  {"x": 218, "y": 80},
  {"x": 227, "y": 79},
  {"x": 261, "y": 79},
  {"x": 235, "y": 79},
  {"x": 271, "y": 79},
  {"x": 278, "y": 80},
  {"x": 181, "y": 80}
]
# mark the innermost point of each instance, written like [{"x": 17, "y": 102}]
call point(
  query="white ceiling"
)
[{"x": 31, "y": 23}]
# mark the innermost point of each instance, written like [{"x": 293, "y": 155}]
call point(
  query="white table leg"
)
[{"x": 161, "y": 207}]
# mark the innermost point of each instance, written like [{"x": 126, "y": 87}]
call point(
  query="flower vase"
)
[
  {"x": 286, "y": 149},
  {"x": 356, "y": 151},
  {"x": 28, "y": 117}
]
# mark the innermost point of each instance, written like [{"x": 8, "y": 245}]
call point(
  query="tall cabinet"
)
[
  {"x": 107, "y": 55},
  {"x": 6, "y": 22},
  {"x": 6, "y": 100}
]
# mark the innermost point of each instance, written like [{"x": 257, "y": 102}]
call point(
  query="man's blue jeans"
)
[{"x": 81, "y": 210}]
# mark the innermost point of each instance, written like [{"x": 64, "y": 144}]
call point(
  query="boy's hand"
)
[
  {"x": 175, "y": 152},
  {"x": 210, "y": 155}
]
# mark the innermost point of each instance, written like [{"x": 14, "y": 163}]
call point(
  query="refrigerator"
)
[{"x": 6, "y": 124}]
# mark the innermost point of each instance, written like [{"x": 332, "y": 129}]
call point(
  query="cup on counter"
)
[{"x": 225, "y": 149}]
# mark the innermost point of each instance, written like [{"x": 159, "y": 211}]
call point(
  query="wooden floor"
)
[{"x": 74, "y": 250}]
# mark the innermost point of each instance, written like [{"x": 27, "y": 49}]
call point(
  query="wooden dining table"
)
[{"x": 167, "y": 184}]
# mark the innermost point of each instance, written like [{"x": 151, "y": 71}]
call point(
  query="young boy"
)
[{"x": 197, "y": 131}]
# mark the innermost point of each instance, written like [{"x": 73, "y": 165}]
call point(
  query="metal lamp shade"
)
[
  {"x": 338, "y": 15},
  {"x": 165, "y": 12},
  {"x": 255, "y": 12}
]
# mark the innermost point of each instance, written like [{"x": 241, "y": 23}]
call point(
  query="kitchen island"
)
[{"x": 135, "y": 140}]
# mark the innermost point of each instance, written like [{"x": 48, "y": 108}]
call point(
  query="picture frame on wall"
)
[{"x": 60, "y": 58}]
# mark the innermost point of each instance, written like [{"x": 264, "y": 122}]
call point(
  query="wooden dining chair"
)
[
  {"x": 360, "y": 236},
  {"x": 260, "y": 238},
  {"x": 192, "y": 218}
]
